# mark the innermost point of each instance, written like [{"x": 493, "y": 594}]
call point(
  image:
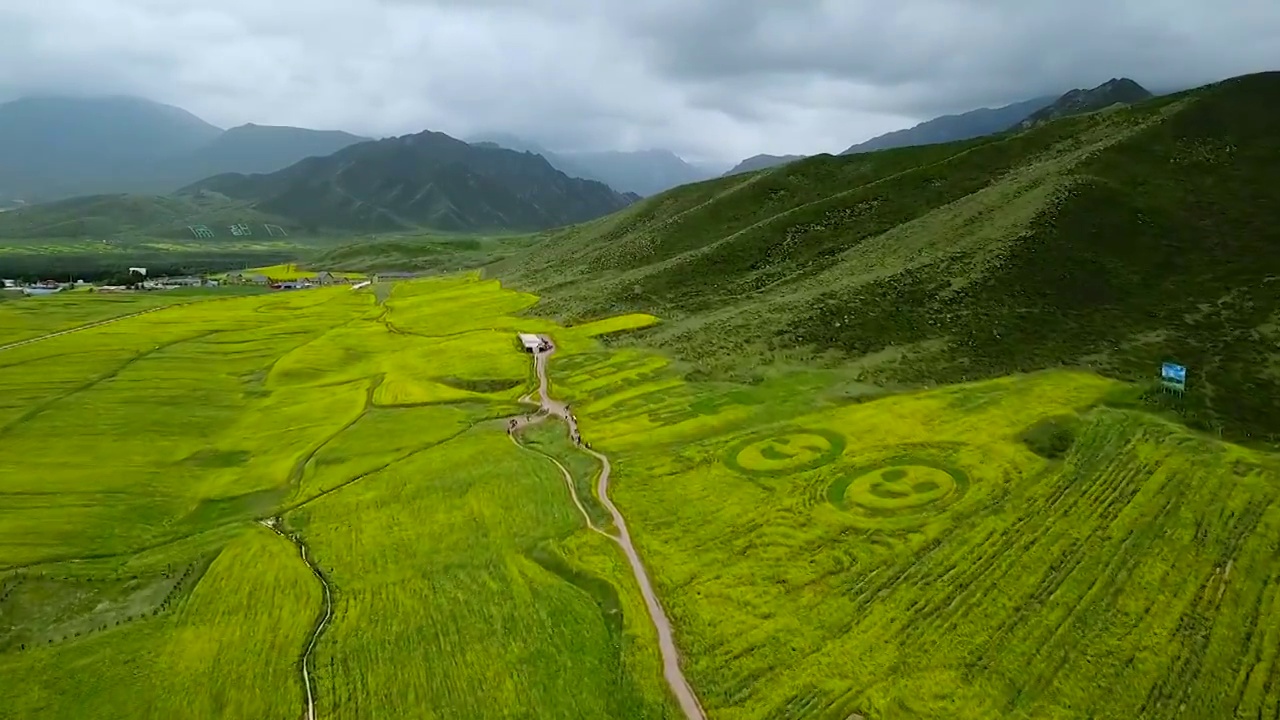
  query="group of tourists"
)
[
  {"x": 576, "y": 436},
  {"x": 573, "y": 429}
]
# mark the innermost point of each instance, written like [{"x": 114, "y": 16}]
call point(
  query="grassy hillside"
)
[
  {"x": 760, "y": 162},
  {"x": 103, "y": 235},
  {"x": 1077, "y": 101},
  {"x": 425, "y": 253},
  {"x": 1113, "y": 241},
  {"x": 157, "y": 216}
]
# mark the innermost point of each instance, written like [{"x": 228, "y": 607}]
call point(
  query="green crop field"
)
[
  {"x": 1024, "y": 547},
  {"x": 290, "y": 271},
  {"x": 1021, "y": 548},
  {"x": 22, "y": 318},
  {"x": 883, "y": 428},
  {"x": 141, "y": 454}
]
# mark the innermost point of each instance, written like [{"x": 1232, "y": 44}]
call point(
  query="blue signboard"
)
[{"x": 1173, "y": 373}]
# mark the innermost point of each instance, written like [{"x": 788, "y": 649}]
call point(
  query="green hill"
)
[
  {"x": 760, "y": 162},
  {"x": 1116, "y": 91},
  {"x": 1112, "y": 240},
  {"x": 107, "y": 216},
  {"x": 427, "y": 180}
]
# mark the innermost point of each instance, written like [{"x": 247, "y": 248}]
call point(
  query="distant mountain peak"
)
[
  {"x": 422, "y": 180},
  {"x": 1078, "y": 101},
  {"x": 760, "y": 162},
  {"x": 950, "y": 128}
]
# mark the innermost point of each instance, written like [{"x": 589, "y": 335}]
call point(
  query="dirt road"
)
[
  {"x": 548, "y": 406},
  {"x": 274, "y": 525}
]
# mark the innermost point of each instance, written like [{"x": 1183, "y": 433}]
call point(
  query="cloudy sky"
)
[{"x": 710, "y": 79}]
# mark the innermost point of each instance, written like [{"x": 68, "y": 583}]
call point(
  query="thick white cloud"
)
[{"x": 710, "y": 79}]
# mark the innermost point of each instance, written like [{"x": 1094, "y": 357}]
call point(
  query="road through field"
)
[
  {"x": 274, "y": 525},
  {"x": 666, "y": 642},
  {"x": 60, "y": 333}
]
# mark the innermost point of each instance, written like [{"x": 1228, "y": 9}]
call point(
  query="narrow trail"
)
[
  {"x": 548, "y": 406},
  {"x": 90, "y": 326},
  {"x": 274, "y": 525}
]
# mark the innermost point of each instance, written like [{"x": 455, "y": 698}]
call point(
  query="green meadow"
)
[{"x": 1024, "y": 547}]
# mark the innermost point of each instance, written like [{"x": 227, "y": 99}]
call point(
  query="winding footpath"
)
[
  {"x": 274, "y": 525},
  {"x": 548, "y": 406}
]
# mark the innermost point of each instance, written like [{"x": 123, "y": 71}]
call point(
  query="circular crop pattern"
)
[
  {"x": 785, "y": 452},
  {"x": 899, "y": 493}
]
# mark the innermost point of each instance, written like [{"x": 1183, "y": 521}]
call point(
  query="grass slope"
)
[
  {"x": 1112, "y": 241},
  {"x": 425, "y": 254},
  {"x": 112, "y": 216}
]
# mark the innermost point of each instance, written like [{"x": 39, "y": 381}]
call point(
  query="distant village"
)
[{"x": 144, "y": 283}]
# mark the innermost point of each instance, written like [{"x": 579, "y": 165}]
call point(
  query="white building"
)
[{"x": 531, "y": 342}]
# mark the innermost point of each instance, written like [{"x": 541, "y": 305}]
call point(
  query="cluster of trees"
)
[{"x": 113, "y": 269}]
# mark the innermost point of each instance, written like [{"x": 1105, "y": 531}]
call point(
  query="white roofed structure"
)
[{"x": 530, "y": 341}]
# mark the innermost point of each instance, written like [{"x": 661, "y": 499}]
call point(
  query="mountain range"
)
[
  {"x": 57, "y": 147},
  {"x": 425, "y": 180},
  {"x": 949, "y": 128},
  {"x": 53, "y": 148},
  {"x": 979, "y": 122}
]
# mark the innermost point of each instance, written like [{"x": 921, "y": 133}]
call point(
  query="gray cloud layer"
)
[{"x": 711, "y": 79}]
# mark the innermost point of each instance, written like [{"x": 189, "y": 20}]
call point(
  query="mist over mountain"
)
[
  {"x": 644, "y": 172},
  {"x": 949, "y": 128},
  {"x": 58, "y": 147},
  {"x": 760, "y": 162},
  {"x": 52, "y": 147}
]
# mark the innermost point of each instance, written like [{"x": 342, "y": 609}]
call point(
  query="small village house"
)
[{"x": 247, "y": 277}]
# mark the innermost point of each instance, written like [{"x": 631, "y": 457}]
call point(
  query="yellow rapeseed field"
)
[
  {"x": 1019, "y": 548},
  {"x": 140, "y": 455},
  {"x": 289, "y": 271},
  {"x": 934, "y": 555}
]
